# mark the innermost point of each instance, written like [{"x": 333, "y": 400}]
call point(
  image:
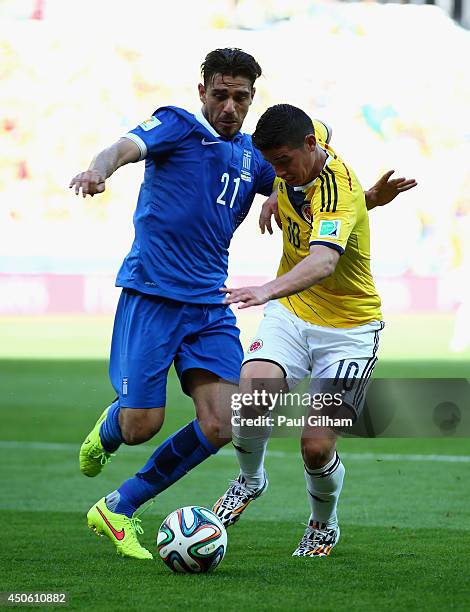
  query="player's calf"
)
[{"x": 138, "y": 425}]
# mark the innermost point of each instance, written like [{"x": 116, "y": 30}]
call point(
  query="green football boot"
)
[
  {"x": 92, "y": 456},
  {"x": 119, "y": 528}
]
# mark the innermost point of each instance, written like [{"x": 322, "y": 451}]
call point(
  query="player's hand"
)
[
  {"x": 250, "y": 296},
  {"x": 268, "y": 210},
  {"x": 90, "y": 182},
  {"x": 386, "y": 189}
]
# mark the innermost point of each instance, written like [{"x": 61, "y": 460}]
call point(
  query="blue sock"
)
[
  {"x": 179, "y": 453},
  {"x": 110, "y": 431}
]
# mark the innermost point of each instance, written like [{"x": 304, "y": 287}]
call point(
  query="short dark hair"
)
[
  {"x": 232, "y": 61},
  {"x": 282, "y": 124}
]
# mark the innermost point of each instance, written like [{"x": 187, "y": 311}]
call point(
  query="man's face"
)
[
  {"x": 294, "y": 165},
  {"x": 226, "y": 101}
]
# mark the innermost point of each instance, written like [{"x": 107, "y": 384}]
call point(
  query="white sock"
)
[
  {"x": 323, "y": 488},
  {"x": 250, "y": 454}
]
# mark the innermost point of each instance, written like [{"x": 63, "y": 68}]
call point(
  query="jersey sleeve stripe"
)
[
  {"x": 328, "y": 188},
  {"x": 332, "y": 245},
  {"x": 335, "y": 187},
  {"x": 139, "y": 142},
  {"x": 322, "y": 181}
]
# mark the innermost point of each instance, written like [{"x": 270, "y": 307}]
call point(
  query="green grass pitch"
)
[{"x": 405, "y": 523}]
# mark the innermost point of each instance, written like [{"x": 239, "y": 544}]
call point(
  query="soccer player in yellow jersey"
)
[{"x": 323, "y": 318}]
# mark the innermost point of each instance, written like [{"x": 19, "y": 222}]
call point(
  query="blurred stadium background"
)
[{"x": 392, "y": 80}]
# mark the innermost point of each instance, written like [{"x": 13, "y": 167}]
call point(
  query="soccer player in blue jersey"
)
[{"x": 201, "y": 176}]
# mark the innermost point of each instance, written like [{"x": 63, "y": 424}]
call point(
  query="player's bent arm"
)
[
  {"x": 269, "y": 209},
  {"x": 317, "y": 266},
  {"x": 122, "y": 152}
]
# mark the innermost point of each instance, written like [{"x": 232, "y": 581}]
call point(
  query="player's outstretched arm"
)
[
  {"x": 320, "y": 264},
  {"x": 386, "y": 189},
  {"x": 92, "y": 181}
]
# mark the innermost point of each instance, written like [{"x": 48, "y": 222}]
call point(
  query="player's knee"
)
[
  {"x": 263, "y": 377},
  {"x": 215, "y": 430},
  {"x": 316, "y": 452},
  {"x": 139, "y": 425},
  {"x": 211, "y": 425}
]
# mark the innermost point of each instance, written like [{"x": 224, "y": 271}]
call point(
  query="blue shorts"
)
[{"x": 150, "y": 333}]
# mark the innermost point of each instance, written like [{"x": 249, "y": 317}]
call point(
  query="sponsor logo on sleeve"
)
[
  {"x": 150, "y": 123},
  {"x": 329, "y": 229}
]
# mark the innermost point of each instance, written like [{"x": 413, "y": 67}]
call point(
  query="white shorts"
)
[{"x": 334, "y": 359}]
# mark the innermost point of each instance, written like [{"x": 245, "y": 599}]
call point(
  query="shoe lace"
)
[
  {"x": 312, "y": 537},
  {"x": 97, "y": 452},
  {"x": 105, "y": 457},
  {"x": 135, "y": 524},
  {"x": 236, "y": 491},
  {"x": 136, "y": 520}
]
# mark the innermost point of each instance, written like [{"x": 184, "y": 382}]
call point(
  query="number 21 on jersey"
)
[{"x": 225, "y": 180}]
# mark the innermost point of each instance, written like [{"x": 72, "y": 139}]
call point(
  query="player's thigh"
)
[
  {"x": 278, "y": 344},
  {"x": 146, "y": 336},
  {"x": 211, "y": 344},
  {"x": 342, "y": 368}
]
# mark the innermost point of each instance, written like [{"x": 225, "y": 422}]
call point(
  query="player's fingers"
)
[
  {"x": 407, "y": 185},
  {"x": 268, "y": 225},
  {"x": 85, "y": 187},
  {"x": 386, "y": 176},
  {"x": 262, "y": 222},
  {"x": 100, "y": 187},
  {"x": 231, "y": 299}
]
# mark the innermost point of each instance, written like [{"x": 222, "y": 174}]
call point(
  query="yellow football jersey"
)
[{"x": 331, "y": 210}]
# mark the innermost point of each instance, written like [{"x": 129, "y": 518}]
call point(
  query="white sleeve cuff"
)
[{"x": 139, "y": 142}]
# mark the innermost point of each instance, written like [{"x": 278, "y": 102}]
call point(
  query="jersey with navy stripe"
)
[
  {"x": 198, "y": 187},
  {"x": 330, "y": 211}
]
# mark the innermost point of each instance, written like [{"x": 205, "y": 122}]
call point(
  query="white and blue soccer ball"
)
[{"x": 192, "y": 540}]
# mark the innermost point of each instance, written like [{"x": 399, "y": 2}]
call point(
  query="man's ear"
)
[
  {"x": 253, "y": 91},
  {"x": 202, "y": 93},
  {"x": 310, "y": 141}
]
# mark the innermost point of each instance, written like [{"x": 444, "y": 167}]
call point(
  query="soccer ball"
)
[{"x": 192, "y": 540}]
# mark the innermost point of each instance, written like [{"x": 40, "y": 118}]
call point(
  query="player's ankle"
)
[{"x": 253, "y": 482}]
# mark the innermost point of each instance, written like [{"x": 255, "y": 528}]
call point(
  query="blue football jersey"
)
[{"x": 198, "y": 187}]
